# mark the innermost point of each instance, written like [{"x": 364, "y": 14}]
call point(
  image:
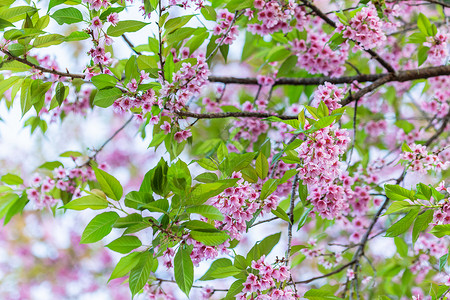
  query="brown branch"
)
[
  {"x": 338, "y": 270},
  {"x": 358, "y": 95},
  {"x": 291, "y": 215},
  {"x": 130, "y": 44},
  {"x": 439, "y": 131},
  {"x": 194, "y": 286},
  {"x": 240, "y": 114},
  {"x": 401, "y": 76},
  {"x": 40, "y": 68}
]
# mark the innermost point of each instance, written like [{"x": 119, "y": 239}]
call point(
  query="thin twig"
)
[{"x": 130, "y": 44}]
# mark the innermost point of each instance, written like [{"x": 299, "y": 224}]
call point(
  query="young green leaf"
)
[
  {"x": 184, "y": 269},
  {"x": 124, "y": 244},
  {"x": 110, "y": 185},
  {"x": 99, "y": 227}
]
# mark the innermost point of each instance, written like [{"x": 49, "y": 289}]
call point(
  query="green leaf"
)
[
  {"x": 124, "y": 244},
  {"x": 280, "y": 213},
  {"x": 424, "y": 25},
  {"x": 210, "y": 238},
  {"x": 90, "y": 201},
  {"x": 203, "y": 192},
  {"x": 441, "y": 230},
  {"x": 302, "y": 191},
  {"x": 184, "y": 269},
  {"x": 234, "y": 5},
  {"x": 287, "y": 66},
  {"x": 160, "y": 205},
  {"x": 105, "y": 98},
  {"x": 198, "y": 225},
  {"x": 140, "y": 273},
  {"x": 207, "y": 177},
  {"x": 125, "y": 26},
  {"x": 25, "y": 96},
  {"x": 398, "y": 206},
  {"x": 61, "y": 93},
  {"x": 396, "y": 192},
  {"x": 403, "y": 224},
  {"x": 12, "y": 179},
  {"x": 224, "y": 272},
  {"x": 125, "y": 265},
  {"x": 208, "y": 13},
  {"x": 17, "y": 13},
  {"x": 336, "y": 41},
  {"x": 137, "y": 200},
  {"x": 217, "y": 264},
  {"x": 303, "y": 218},
  {"x": 67, "y": 15},
  {"x": 268, "y": 188},
  {"x": 423, "y": 191},
  {"x": 417, "y": 38},
  {"x": 5, "y": 24},
  {"x": 314, "y": 294},
  {"x": 206, "y": 211},
  {"x": 443, "y": 261},
  {"x": 44, "y": 41},
  {"x": 104, "y": 81},
  {"x": 422, "y": 55},
  {"x": 263, "y": 248},
  {"x": 76, "y": 36},
  {"x": 402, "y": 247},
  {"x": 261, "y": 166},
  {"x": 421, "y": 223},
  {"x": 99, "y": 227},
  {"x": 110, "y": 185},
  {"x": 235, "y": 288},
  {"x": 175, "y": 23},
  {"x": 71, "y": 154}
]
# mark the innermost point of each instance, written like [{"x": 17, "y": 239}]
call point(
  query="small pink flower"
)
[
  {"x": 113, "y": 19},
  {"x": 166, "y": 127},
  {"x": 96, "y": 23},
  {"x": 132, "y": 85}
]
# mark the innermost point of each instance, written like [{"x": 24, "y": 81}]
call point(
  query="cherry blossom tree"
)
[{"x": 294, "y": 149}]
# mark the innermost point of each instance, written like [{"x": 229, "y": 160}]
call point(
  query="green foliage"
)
[
  {"x": 99, "y": 227},
  {"x": 184, "y": 269},
  {"x": 125, "y": 26}
]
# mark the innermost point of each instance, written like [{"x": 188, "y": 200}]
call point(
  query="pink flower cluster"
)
[
  {"x": 238, "y": 204},
  {"x": 329, "y": 201},
  {"x": 201, "y": 252},
  {"x": 266, "y": 279},
  {"x": 376, "y": 128},
  {"x": 427, "y": 245},
  {"x": 365, "y": 28},
  {"x": 438, "y": 49},
  {"x": 185, "y": 4},
  {"x": 272, "y": 17},
  {"x": 320, "y": 155},
  {"x": 223, "y": 26},
  {"x": 97, "y": 4},
  {"x": 265, "y": 80},
  {"x": 330, "y": 94},
  {"x": 251, "y": 128},
  {"x": 40, "y": 191},
  {"x": 315, "y": 55},
  {"x": 145, "y": 101},
  {"x": 421, "y": 161},
  {"x": 187, "y": 83},
  {"x": 438, "y": 106}
]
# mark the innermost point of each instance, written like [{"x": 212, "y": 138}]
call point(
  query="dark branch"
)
[{"x": 401, "y": 76}]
